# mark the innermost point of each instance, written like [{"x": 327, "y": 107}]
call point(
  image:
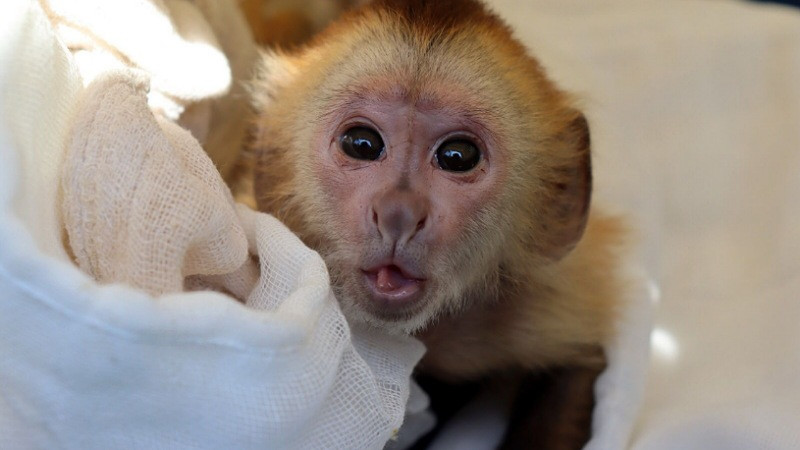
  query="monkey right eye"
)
[{"x": 362, "y": 143}]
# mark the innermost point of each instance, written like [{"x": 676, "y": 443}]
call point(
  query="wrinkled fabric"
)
[
  {"x": 117, "y": 354},
  {"x": 197, "y": 55}
]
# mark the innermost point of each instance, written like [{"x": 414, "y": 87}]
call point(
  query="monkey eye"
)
[
  {"x": 458, "y": 155},
  {"x": 362, "y": 143}
]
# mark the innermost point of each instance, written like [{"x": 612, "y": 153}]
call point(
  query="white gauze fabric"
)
[
  {"x": 197, "y": 53},
  {"x": 108, "y": 365}
]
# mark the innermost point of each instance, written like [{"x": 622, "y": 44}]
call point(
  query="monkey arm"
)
[{"x": 553, "y": 410}]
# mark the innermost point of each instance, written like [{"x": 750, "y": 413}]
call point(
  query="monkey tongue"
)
[{"x": 391, "y": 281}]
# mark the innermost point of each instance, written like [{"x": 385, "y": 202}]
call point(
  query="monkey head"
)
[{"x": 424, "y": 154}]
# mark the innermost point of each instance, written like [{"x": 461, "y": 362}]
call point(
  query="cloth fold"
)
[
  {"x": 196, "y": 54},
  {"x": 143, "y": 204},
  {"x": 135, "y": 361}
]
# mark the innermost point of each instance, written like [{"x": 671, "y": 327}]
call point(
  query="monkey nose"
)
[{"x": 399, "y": 216}]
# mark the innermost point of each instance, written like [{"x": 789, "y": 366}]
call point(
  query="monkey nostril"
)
[
  {"x": 420, "y": 225},
  {"x": 376, "y": 222}
]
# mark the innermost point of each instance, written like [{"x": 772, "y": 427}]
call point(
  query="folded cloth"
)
[
  {"x": 107, "y": 365},
  {"x": 196, "y": 53},
  {"x": 142, "y": 203}
]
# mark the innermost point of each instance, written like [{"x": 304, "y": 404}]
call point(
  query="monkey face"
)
[
  {"x": 424, "y": 157},
  {"x": 406, "y": 182}
]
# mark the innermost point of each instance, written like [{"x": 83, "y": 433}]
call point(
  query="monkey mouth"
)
[{"x": 393, "y": 286}]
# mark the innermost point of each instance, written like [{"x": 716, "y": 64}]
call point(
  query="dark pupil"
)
[
  {"x": 362, "y": 143},
  {"x": 458, "y": 156}
]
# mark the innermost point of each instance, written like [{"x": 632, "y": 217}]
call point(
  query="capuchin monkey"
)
[{"x": 446, "y": 181}]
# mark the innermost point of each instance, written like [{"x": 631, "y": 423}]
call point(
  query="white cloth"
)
[
  {"x": 198, "y": 54},
  {"x": 84, "y": 365}
]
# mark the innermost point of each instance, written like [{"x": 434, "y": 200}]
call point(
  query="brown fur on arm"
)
[{"x": 553, "y": 410}]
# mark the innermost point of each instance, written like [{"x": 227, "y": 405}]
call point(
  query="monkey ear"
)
[
  {"x": 569, "y": 191},
  {"x": 274, "y": 70}
]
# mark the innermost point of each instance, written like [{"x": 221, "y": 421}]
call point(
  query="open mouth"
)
[{"x": 392, "y": 284}]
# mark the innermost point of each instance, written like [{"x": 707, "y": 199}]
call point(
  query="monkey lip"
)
[{"x": 390, "y": 283}]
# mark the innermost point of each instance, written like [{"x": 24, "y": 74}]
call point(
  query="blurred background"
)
[
  {"x": 288, "y": 23},
  {"x": 785, "y": 2}
]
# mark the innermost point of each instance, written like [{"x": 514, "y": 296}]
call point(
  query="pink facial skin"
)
[{"x": 402, "y": 212}]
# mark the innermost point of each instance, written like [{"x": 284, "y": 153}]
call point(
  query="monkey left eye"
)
[
  {"x": 458, "y": 156},
  {"x": 362, "y": 143}
]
